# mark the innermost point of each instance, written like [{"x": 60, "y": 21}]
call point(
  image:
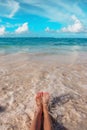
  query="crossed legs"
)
[{"x": 41, "y": 111}]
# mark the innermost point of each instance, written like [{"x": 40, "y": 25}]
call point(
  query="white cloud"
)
[
  {"x": 14, "y": 6},
  {"x": 57, "y": 10},
  {"x": 8, "y": 8},
  {"x": 10, "y": 25},
  {"x": 22, "y": 29},
  {"x": 2, "y": 31},
  {"x": 76, "y": 27},
  {"x": 47, "y": 29}
]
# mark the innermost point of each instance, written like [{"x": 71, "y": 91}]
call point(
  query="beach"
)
[{"x": 64, "y": 76}]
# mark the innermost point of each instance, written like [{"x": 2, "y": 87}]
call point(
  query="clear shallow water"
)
[
  {"x": 21, "y": 78},
  {"x": 43, "y": 45}
]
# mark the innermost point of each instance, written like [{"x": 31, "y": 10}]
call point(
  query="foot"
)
[
  {"x": 39, "y": 107},
  {"x": 45, "y": 100}
]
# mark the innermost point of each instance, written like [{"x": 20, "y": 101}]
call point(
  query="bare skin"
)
[
  {"x": 47, "y": 120},
  {"x": 42, "y": 108},
  {"x": 36, "y": 123}
]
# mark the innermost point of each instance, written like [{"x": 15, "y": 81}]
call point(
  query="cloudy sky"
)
[{"x": 41, "y": 18}]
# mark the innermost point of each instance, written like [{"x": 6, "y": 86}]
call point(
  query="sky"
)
[{"x": 43, "y": 18}]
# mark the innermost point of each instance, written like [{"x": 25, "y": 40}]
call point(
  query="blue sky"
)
[{"x": 43, "y": 18}]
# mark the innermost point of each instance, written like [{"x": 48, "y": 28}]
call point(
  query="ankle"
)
[
  {"x": 45, "y": 108},
  {"x": 38, "y": 110}
]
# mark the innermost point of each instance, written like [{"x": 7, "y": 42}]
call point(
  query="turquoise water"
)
[{"x": 42, "y": 45}]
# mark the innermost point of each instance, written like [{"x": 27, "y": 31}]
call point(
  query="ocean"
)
[
  {"x": 54, "y": 65},
  {"x": 42, "y": 45}
]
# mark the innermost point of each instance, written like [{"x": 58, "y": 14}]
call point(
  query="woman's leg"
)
[
  {"x": 36, "y": 123},
  {"x": 47, "y": 119}
]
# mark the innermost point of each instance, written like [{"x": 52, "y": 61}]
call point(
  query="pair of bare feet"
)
[
  {"x": 41, "y": 120},
  {"x": 42, "y": 99}
]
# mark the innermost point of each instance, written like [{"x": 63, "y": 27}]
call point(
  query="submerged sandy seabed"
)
[{"x": 64, "y": 77}]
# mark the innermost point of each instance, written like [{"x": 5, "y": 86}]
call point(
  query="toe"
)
[{"x": 39, "y": 98}]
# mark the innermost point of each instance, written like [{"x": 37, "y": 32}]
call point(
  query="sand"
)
[{"x": 64, "y": 77}]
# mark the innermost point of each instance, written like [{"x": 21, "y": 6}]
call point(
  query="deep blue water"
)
[{"x": 42, "y": 45}]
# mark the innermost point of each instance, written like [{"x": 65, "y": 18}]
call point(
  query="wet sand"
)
[{"x": 63, "y": 76}]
